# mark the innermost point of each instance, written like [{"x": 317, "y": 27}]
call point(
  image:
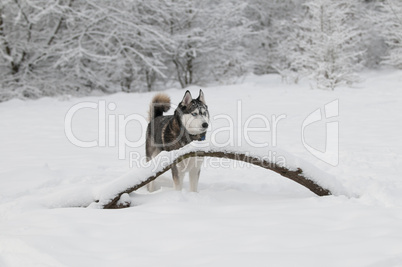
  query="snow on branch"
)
[{"x": 108, "y": 195}]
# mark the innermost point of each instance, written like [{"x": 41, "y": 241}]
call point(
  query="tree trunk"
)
[
  {"x": 179, "y": 72},
  {"x": 296, "y": 176}
]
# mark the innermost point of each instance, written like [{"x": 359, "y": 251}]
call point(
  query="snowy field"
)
[{"x": 242, "y": 215}]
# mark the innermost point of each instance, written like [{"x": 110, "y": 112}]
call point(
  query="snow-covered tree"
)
[
  {"x": 387, "y": 17},
  {"x": 28, "y": 30},
  {"x": 372, "y": 41},
  {"x": 112, "y": 47},
  {"x": 59, "y": 46},
  {"x": 50, "y": 47},
  {"x": 273, "y": 22},
  {"x": 324, "y": 45},
  {"x": 206, "y": 38}
]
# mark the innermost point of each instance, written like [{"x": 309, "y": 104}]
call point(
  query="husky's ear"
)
[
  {"x": 187, "y": 98},
  {"x": 201, "y": 97}
]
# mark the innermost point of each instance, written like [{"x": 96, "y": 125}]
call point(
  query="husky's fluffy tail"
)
[{"x": 159, "y": 104}]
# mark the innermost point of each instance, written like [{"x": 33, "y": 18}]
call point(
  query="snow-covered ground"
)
[{"x": 242, "y": 215}]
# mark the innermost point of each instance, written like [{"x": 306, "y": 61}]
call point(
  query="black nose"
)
[{"x": 205, "y": 125}]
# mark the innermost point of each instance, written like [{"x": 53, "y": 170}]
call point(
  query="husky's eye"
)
[{"x": 194, "y": 114}]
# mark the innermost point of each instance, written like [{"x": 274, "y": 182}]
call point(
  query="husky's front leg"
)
[
  {"x": 195, "y": 173},
  {"x": 178, "y": 176},
  {"x": 194, "y": 177}
]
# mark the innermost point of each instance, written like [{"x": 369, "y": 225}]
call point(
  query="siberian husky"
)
[{"x": 165, "y": 133}]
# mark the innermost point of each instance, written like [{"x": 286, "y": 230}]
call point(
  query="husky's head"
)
[{"x": 194, "y": 113}]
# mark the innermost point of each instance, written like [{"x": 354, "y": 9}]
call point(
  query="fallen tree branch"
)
[{"x": 294, "y": 175}]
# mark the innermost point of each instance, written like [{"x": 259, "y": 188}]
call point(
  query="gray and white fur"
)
[{"x": 165, "y": 133}]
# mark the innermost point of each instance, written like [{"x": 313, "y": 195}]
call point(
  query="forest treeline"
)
[{"x": 52, "y": 47}]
